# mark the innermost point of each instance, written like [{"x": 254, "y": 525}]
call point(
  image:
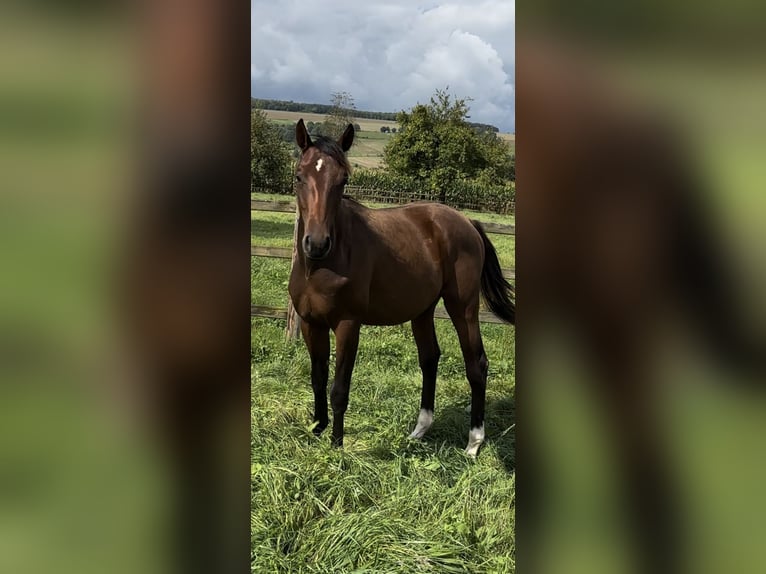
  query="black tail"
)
[{"x": 498, "y": 293}]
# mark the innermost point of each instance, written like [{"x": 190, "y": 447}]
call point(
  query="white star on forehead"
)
[{"x": 320, "y": 161}]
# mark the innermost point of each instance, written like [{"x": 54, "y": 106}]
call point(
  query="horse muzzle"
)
[{"x": 316, "y": 250}]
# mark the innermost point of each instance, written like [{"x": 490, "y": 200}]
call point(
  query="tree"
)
[
  {"x": 314, "y": 129},
  {"x": 340, "y": 115},
  {"x": 500, "y": 161},
  {"x": 436, "y": 144},
  {"x": 270, "y": 158}
]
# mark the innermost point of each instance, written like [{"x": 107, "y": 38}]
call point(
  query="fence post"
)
[{"x": 293, "y": 330}]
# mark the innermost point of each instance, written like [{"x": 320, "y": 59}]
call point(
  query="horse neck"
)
[{"x": 344, "y": 222}]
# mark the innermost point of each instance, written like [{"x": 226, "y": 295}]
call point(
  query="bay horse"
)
[{"x": 357, "y": 266}]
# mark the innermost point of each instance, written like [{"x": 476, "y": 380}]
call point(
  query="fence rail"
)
[
  {"x": 287, "y": 253},
  {"x": 278, "y": 252},
  {"x": 289, "y": 207},
  {"x": 277, "y": 206}
]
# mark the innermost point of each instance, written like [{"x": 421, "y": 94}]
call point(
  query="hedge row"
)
[
  {"x": 381, "y": 186},
  {"x": 462, "y": 194}
]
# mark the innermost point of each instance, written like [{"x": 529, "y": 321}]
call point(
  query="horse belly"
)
[{"x": 400, "y": 301}]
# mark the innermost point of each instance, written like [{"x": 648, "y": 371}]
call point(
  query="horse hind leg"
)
[
  {"x": 465, "y": 318},
  {"x": 428, "y": 358}
]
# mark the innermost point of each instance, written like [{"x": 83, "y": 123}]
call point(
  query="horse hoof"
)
[
  {"x": 475, "y": 440},
  {"x": 425, "y": 419}
]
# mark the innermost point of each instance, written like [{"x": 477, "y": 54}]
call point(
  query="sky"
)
[{"x": 388, "y": 55}]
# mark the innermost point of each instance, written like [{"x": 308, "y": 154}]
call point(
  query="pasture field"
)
[
  {"x": 510, "y": 138},
  {"x": 367, "y": 150},
  {"x": 383, "y": 503},
  {"x": 367, "y": 125}
]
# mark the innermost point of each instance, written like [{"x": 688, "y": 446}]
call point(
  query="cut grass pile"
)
[{"x": 383, "y": 503}]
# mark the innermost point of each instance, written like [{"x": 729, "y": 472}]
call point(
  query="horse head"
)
[{"x": 322, "y": 173}]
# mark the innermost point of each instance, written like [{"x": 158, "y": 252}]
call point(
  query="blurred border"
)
[
  {"x": 124, "y": 329},
  {"x": 641, "y": 273}
]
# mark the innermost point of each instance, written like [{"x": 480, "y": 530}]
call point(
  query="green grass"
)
[
  {"x": 383, "y": 503},
  {"x": 271, "y": 229}
]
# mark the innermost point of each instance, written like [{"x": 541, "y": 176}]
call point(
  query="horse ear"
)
[
  {"x": 302, "y": 137},
  {"x": 347, "y": 138}
]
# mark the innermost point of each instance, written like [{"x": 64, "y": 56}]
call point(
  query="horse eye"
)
[{"x": 298, "y": 177}]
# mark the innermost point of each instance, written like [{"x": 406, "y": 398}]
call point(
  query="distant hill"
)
[{"x": 291, "y": 106}]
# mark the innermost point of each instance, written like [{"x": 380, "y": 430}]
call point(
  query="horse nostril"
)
[{"x": 316, "y": 249}]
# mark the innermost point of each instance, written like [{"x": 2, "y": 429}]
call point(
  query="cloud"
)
[{"x": 388, "y": 56}]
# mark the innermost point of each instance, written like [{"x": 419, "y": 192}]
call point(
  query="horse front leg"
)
[
  {"x": 346, "y": 344},
  {"x": 318, "y": 343}
]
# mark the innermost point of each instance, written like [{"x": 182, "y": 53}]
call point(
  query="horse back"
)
[{"x": 434, "y": 237}]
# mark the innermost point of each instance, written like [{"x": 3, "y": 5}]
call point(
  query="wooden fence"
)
[
  {"x": 289, "y": 207},
  {"x": 287, "y": 253}
]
